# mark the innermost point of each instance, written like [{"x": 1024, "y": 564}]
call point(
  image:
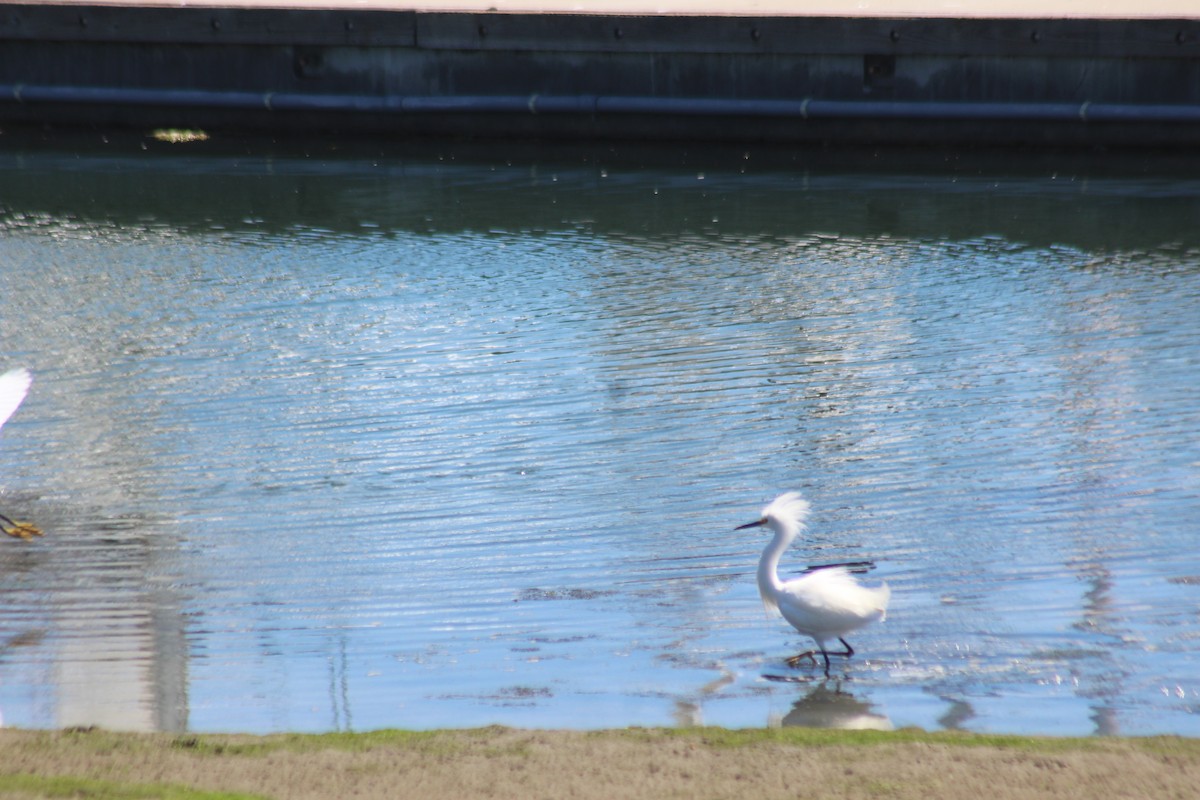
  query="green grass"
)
[
  {"x": 817, "y": 737},
  {"x": 28, "y": 787},
  {"x": 434, "y": 742},
  {"x": 453, "y": 742}
]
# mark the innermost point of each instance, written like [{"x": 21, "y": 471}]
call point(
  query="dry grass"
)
[{"x": 503, "y": 762}]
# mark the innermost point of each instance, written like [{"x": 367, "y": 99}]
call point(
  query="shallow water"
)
[{"x": 346, "y": 440}]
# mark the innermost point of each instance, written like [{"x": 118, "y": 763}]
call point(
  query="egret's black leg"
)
[{"x": 811, "y": 655}]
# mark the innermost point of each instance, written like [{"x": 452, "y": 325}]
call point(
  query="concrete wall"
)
[{"x": 1025, "y": 81}]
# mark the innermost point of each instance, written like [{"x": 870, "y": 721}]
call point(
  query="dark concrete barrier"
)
[{"x": 778, "y": 79}]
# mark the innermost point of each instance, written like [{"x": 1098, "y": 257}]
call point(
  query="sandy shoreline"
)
[{"x": 509, "y": 763}]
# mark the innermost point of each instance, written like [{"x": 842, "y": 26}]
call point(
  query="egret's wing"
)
[
  {"x": 14, "y": 384},
  {"x": 831, "y": 600}
]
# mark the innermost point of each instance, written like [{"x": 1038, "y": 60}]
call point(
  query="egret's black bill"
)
[{"x": 755, "y": 524}]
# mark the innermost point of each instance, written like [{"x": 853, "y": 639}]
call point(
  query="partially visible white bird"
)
[
  {"x": 824, "y": 603},
  {"x": 14, "y": 385}
]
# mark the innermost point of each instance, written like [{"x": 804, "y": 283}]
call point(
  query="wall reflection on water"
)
[{"x": 328, "y": 439}]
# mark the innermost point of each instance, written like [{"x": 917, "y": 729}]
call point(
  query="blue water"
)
[{"x": 329, "y": 440}]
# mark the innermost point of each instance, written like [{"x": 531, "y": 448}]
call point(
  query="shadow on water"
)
[
  {"x": 1088, "y": 201},
  {"x": 338, "y": 436}
]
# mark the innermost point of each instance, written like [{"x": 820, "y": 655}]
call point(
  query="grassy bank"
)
[{"x": 635, "y": 763}]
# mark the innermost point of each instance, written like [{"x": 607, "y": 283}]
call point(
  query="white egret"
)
[
  {"x": 824, "y": 603},
  {"x": 14, "y": 385}
]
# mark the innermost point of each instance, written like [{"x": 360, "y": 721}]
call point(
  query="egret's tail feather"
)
[
  {"x": 14, "y": 384},
  {"x": 885, "y": 595}
]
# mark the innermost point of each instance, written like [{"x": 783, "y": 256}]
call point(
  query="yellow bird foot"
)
[
  {"x": 794, "y": 661},
  {"x": 19, "y": 530}
]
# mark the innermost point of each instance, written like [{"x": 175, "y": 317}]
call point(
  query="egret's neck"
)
[{"x": 769, "y": 585}]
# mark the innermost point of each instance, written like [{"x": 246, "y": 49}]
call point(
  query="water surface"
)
[{"x": 327, "y": 439}]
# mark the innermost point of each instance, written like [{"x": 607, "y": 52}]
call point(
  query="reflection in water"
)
[
  {"x": 1103, "y": 396},
  {"x": 826, "y": 707},
  {"x": 109, "y": 640},
  {"x": 689, "y": 711},
  {"x": 383, "y": 440},
  {"x": 956, "y": 716}
]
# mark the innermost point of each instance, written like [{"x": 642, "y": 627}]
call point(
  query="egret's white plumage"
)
[
  {"x": 825, "y": 603},
  {"x": 14, "y": 385}
]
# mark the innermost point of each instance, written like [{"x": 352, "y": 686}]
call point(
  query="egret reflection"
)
[{"x": 828, "y": 705}]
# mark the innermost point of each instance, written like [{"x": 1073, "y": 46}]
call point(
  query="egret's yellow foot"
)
[
  {"x": 794, "y": 661},
  {"x": 20, "y": 530}
]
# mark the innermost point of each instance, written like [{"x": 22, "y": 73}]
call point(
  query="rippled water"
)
[{"x": 336, "y": 440}]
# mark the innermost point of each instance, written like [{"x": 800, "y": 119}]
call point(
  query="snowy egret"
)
[
  {"x": 823, "y": 603},
  {"x": 14, "y": 384}
]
